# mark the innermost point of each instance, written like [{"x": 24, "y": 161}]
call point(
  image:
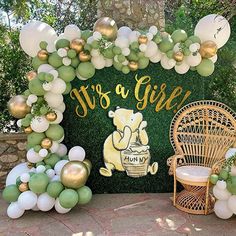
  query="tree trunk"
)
[{"x": 137, "y": 14}]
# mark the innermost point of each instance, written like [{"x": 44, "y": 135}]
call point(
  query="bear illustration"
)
[{"x": 130, "y": 134}]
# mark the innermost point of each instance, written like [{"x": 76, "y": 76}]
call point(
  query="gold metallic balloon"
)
[
  {"x": 208, "y": 49},
  {"x": 46, "y": 143},
  {"x": 30, "y": 165},
  {"x": 42, "y": 55},
  {"x": 133, "y": 65},
  {"x": 23, "y": 187},
  {"x": 77, "y": 45},
  {"x": 83, "y": 56},
  {"x": 142, "y": 39},
  {"x": 51, "y": 116},
  {"x": 31, "y": 75},
  {"x": 17, "y": 106},
  {"x": 88, "y": 164},
  {"x": 179, "y": 56},
  {"x": 28, "y": 130},
  {"x": 74, "y": 174},
  {"x": 107, "y": 27}
]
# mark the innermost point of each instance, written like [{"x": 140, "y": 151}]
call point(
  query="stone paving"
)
[{"x": 118, "y": 215}]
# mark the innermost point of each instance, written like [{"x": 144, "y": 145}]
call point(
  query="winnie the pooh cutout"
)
[{"x": 126, "y": 149}]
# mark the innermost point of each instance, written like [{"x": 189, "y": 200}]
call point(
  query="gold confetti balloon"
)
[
  {"x": 31, "y": 75},
  {"x": 74, "y": 174},
  {"x": 17, "y": 106},
  {"x": 51, "y": 116},
  {"x": 179, "y": 56},
  {"x": 208, "y": 49},
  {"x": 107, "y": 27},
  {"x": 77, "y": 45}
]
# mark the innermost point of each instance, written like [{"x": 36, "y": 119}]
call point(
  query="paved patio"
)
[{"x": 117, "y": 214}]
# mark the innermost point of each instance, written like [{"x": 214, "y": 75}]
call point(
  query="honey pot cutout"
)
[{"x": 126, "y": 149}]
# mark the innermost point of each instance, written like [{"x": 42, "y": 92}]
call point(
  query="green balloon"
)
[
  {"x": 49, "y": 77},
  {"x": 25, "y": 122},
  {"x": 195, "y": 39},
  {"x": 18, "y": 181},
  {"x": 52, "y": 159},
  {"x": 36, "y": 87},
  {"x": 186, "y": 52},
  {"x": 85, "y": 194},
  {"x": 133, "y": 56},
  {"x": 179, "y": 36},
  {"x": 170, "y": 54},
  {"x": 54, "y": 189},
  {"x": 68, "y": 198},
  {"x": 188, "y": 42},
  {"x": 36, "y": 62},
  {"x": 65, "y": 157},
  {"x": 41, "y": 76},
  {"x": 134, "y": 45},
  {"x": 75, "y": 62},
  {"x": 54, "y": 132},
  {"x": 121, "y": 58},
  {"x": 231, "y": 185},
  {"x": 86, "y": 69},
  {"x": 62, "y": 43},
  {"x": 117, "y": 65},
  {"x": 11, "y": 193},
  {"x": 71, "y": 53},
  {"x": 157, "y": 38},
  {"x": 38, "y": 183},
  {"x": 27, "y": 92},
  {"x": 87, "y": 47},
  {"x": 86, "y": 34},
  {"x": 55, "y": 60},
  {"x": 125, "y": 69},
  {"x": 108, "y": 53},
  {"x": 116, "y": 50},
  {"x": 214, "y": 178},
  {"x": 35, "y": 139},
  {"x": 48, "y": 167},
  {"x": 224, "y": 174},
  {"x": 43, "y": 45},
  {"x": 166, "y": 44},
  {"x": 37, "y": 148},
  {"x": 67, "y": 73},
  {"x": 95, "y": 44},
  {"x": 143, "y": 62},
  {"x": 68, "y": 88},
  {"x": 206, "y": 67},
  {"x": 43, "y": 110}
]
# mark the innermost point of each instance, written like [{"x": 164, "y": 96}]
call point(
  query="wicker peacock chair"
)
[{"x": 200, "y": 133}]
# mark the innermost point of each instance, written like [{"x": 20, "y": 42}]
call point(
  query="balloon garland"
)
[
  {"x": 51, "y": 178},
  {"x": 225, "y": 187}
]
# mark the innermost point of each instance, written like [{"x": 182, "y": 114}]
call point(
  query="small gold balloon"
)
[
  {"x": 74, "y": 174},
  {"x": 83, "y": 56},
  {"x": 51, "y": 116},
  {"x": 28, "y": 130},
  {"x": 17, "y": 106},
  {"x": 107, "y": 27},
  {"x": 42, "y": 55},
  {"x": 133, "y": 65},
  {"x": 46, "y": 143},
  {"x": 31, "y": 75},
  {"x": 208, "y": 49},
  {"x": 30, "y": 165},
  {"x": 23, "y": 187},
  {"x": 77, "y": 45},
  {"x": 179, "y": 56},
  {"x": 142, "y": 39},
  {"x": 88, "y": 164}
]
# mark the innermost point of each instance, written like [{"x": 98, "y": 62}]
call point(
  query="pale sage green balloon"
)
[{"x": 206, "y": 67}]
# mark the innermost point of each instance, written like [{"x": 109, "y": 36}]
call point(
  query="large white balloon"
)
[
  {"x": 193, "y": 59},
  {"x": 39, "y": 124},
  {"x": 133, "y": 36},
  {"x": 221, "y": 194},
  {"x": 182, "y": 68},
  {"x": 98, "y": 62},
  {"x": 45, "y": 202},
  {"x": 58, "y": 86},
  {"x": 151, "y": 49},
  {"x": 222, "y": 210},
  {"x": 33, "y": 156},
  {"x": 53, "y": 100},
  {"x": 59, "y": 208},
  {"x": 62, "y": 150},
  {"x": 124, "y": 31},
  {"x": 61, "y": 107},
  {"x": 72, "y": 32},
  {"x": 76, "y": 153},
  {"x": 58, "y": 167},
  {"x": 14, "y": 211},
  {"x": 156, "y": 57},
  {"x": 16, "y": 172},
  {"x": 33, "y": 33},
  {"x": 232, "y": 203},
  {"x": 27, "y": 200},
  {"x": 122, "y": 42},
  {"x": 213, "y": 27}
]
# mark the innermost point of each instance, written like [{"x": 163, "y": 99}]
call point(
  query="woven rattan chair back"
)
[{"x": 202, "y": 132}]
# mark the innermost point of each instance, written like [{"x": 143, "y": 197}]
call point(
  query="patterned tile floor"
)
[{"x": 118, "y": 215}]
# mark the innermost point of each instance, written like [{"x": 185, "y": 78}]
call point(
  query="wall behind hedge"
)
[{"x": 90, "y": 132}]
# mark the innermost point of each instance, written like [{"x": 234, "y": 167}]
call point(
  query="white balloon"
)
[
  {"x": 149, "y": 36},
  {"x": 53, "y": 100},
  {"x": 16, "y": 172},
  {"x": 28, "y": 103},
  {"x": 193, "y": 60},
  {"x": 66, "y": 61},
  {"x": 122, "y": 42},
  {"x": 97, "y": 35},
  {"x": 76, "y": 153},
  {"x": 95, "y": 52},
  {"x": 50, "y": 173},
  {"x": 19, "y": 123},
  {"x": 124, "y": 31},
  {"x": 14, "y": 211},
  {"x": 81, "y": 77},
  {"x": 55, "y": 178},
  {"x": 72, "y": 32},
  {"x": 54, "y": 147},
  {"x": 172, "y": 62},
  {"x": 58, "y": 167},
  {"x": 47, "y": 86},
  {"x": 98, "y": 62},
  {"x": 108, "y": 62},
  {"x": 58, "y": 86},
  {"x": 165, "y": 62},
  {"x": 125, "y": 51},
  {"x": 182, "y": 68},
  {"x": 133, "y": 36},
  {"x": 153, "y": 29},
  {"x": 51, "y": 47},
  {"x": 25, "y": 177},
  {"x": 151, "y": 49},
  {"x": 32, "y": 98},
  {"x": 43, "y": 152},
  {"x": 27, "y": 200},
  {"x": 222, "y": 210},
  {"x": 62, "y": 150},
  {"x": 176, "y": 48},
  {"x": 221, "y": 184},
  {"x": 59, "y": 117},
  {"x": 33, "y": 156},
  {"x": 90, "y": 39},
  {"x": 33, "y": 33},
  {"x": 194, "y": 47},
  {"x": 40, "y": 169},
  {"x": 156, "y": 58},
  {"x": 221, "y": 194},
  {"x": 232, "y": 203},
  {"x": 125, "y": 62},
  {"x": 213, "y": 59},
  {"x": 54, "y": 73},
  {"x": 61, "y": 107},
  {"x": 142, "y": 47},
  {"x": 62, "y": 52},
  {"x": 230, "y": 153},
  {"x": 39, "y": 124},
  {"x": 45, "y": 68},
  {"x": 45, "y": 202},
  {"x": 59, "y": 208},
  {"x": 213, "y": 27}
]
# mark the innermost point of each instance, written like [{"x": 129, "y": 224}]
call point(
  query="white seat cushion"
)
[{"x": 193, "y": 173}]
